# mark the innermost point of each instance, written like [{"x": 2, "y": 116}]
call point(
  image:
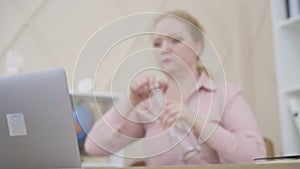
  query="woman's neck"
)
[{"x": 181, "y": 83}]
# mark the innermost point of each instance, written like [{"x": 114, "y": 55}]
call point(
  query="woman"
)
[{"x": 188, "y": 94}]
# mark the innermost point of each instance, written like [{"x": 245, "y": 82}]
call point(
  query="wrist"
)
[
  {"x": 133, "y": 100},
  {"x": 125, "y": 106}
]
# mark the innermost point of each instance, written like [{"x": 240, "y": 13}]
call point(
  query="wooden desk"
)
[{"x": 286, "y": 165}]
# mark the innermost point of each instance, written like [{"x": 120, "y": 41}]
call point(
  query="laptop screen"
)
[{"x": 36, "y": 124}]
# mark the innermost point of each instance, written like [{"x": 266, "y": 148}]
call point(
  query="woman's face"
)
[{"x": 176, "y": 47}]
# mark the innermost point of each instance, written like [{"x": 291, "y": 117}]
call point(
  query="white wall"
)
[{"x": 51, "y": 33}]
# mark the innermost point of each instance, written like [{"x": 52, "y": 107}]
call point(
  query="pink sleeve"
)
[
  {"x": 237, "y": 139},
  {"x": 111, "y": 133}
]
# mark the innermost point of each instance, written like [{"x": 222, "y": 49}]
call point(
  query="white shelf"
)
[
  {"x": 99, "y": 96},
  {"x": 293, "y": 22},
  {"x": 292, "y": 90},
  {"x": 93, "y": 99},
  {"x": 287, "y": 55}
]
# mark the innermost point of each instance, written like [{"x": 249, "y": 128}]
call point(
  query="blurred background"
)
[{"x": 39, "y": 34}]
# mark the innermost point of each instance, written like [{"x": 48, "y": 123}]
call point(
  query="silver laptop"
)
[{"x": 36, "y": 125}]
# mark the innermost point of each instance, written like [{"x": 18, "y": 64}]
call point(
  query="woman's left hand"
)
[{"x": 172, "y": 112}]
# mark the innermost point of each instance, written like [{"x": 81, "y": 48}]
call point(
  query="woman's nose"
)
[{"x": 166, "y": 48}]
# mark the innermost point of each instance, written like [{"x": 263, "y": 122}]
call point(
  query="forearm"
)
[
  {"x": 96, "y": 141},
  {"x": 101, "y": 137},
  {"x": 242, "y": 147},
  {"x": 109, "y": 133},
  {"x": 232, "y": 147}
]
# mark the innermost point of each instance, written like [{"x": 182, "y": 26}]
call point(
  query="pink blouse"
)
[{"x": 235, "y": 139}]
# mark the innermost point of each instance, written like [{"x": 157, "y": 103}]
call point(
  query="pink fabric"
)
[{"x": 235, "y": 140}]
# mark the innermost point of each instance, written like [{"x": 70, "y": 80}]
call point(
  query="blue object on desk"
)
[{"x": 82, "y": 121}]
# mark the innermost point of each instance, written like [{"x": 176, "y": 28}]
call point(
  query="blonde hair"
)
[{"x": 191, "y": 23}]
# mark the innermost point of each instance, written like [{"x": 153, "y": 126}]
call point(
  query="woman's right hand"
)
[{"x": 142, "y": 86}]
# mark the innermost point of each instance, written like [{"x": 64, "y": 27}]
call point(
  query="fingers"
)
[
  {"x": 163, "y": 86},
  {"x": 171, "y": 114},
  {"x": 151, "y": 82},
  {"x": 169, "y": 121},
  {"x": 146, "y": 86},
  {"x": 142, "y": 87}
]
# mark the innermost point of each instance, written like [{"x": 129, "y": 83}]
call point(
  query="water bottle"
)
[{"x": 180, "y": 132}]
